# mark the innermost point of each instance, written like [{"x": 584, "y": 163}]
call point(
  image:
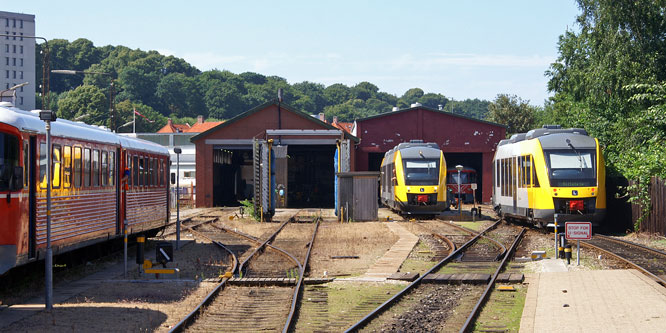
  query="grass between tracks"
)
[
  {"x": 345, "y": 304},
  {"x": 502, "y": 311},
  {"x": 419, "y": 259}
]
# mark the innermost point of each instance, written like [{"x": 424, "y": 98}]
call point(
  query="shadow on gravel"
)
[
  {"x": 90, "y": 319},
  {"x": 119, "y": 292}
]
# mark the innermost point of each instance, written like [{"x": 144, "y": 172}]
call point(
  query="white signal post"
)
[
  {"x": 48, "y": 116},
  {"x": 578, "y": 231}
]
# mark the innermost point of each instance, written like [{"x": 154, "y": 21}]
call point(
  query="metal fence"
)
[{"x": 655, "y": 222}]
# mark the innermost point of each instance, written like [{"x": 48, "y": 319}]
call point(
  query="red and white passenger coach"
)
[{"x": 90, "y": 195}]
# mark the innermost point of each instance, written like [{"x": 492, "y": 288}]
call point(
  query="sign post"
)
[{"x": 578, "y": 231}]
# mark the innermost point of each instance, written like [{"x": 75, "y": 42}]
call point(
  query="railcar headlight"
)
[
  {"x": 408, "y": 189},
  {"x": 435, "y": 189}
]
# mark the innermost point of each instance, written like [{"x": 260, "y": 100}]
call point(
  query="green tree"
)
[
  {"x": 85, "y": 101},
  {"x": 125, "y": 113},
  {"x": 364, "y": 90},
  {"x": 604, "y": 67},
  {"x": 411, "y": 96},
  {"x": 337, "y": 93},
  {"x": 515, "y": 113}
]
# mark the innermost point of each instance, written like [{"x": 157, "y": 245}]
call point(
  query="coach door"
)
[{"x": 32, "y": 198}]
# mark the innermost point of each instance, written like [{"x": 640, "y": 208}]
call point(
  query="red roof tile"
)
[{"x": 202, "y": 127}]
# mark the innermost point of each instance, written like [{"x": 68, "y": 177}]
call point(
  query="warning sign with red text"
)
[{"x": 578, "y": 230}]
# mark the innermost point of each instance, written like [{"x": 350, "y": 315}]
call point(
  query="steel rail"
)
[
  {"x": 484, "y": 296},
  {"x": 242, "y": 267},
  {"x": 627, "y": 261},
  {"x": 376, "y": 312},
  {"x": 299, "y": 285},
  {"x": 624, "y": 242},
  {"x": 497, "y": 244},
  {"x": 256, "y": 240},
  {"x": 449, "y": 243},
  {"x": 180, "y": 326}
]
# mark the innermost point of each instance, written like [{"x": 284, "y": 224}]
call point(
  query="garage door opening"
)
[
  {"x": 468, "y": 160},
  {"x": 232, "y": 176},
  {"x": 375, "y": 161},
  {"x": 310, "y": 176}
]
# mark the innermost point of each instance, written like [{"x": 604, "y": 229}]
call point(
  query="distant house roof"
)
[
  {"x": 198, "y": 127},
  {"x": 347, "y": 127},
  {"x": 170, "y": 127}
]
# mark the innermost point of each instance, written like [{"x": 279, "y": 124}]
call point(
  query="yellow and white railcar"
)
[
  {"x": 550, "y": 171},
  {"x": 413, "y": 179}
]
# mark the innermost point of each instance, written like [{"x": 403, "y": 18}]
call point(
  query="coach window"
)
[
  {"x": 135, "y": 170},
  {"x": 149, "y": 180},
  {"x": 77, "y": 167},
  {"x": 156, "y": 172},
  {"x": 86, "y": 167},
  {"x": 163, "y": 180},
  {"x": 42, "y": 164},
  {"x": 112, "y": 168},
  {"x": 160, "y": 173},
  {"x": 95, "y": 168},
  {"x": 56, "y": 166},
  {"x": 142, "y": 172},
  {"x": 505, "y": 177},
  {"x": 105, "y": 168},
  {"x": 67, "y": 167}
]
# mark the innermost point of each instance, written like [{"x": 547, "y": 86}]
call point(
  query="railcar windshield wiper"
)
[{"x": 581, "y": 161}]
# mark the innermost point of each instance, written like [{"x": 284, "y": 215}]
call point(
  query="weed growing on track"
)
[{"x": 503, "y": 310}]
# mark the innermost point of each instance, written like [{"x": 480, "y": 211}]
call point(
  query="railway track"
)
[
  {"x": 650, "y": 261},
  {"x": 255, "y": 307},
  {"x": 421, "y": 310}
]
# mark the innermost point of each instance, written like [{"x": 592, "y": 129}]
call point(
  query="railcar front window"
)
[
  {"x": 9, "y": 159},
  {"x": 464, "y": 178},
  {"x": 572, "y": 168},
  {"x": 421, "y": 172}
]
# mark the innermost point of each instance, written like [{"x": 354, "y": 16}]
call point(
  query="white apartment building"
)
[{"x": 17, "y": 59}]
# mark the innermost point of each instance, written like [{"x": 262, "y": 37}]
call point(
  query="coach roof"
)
[{"x": 26, "y": 121}]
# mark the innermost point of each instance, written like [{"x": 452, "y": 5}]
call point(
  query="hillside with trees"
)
[{"x": 162, "y": 87}]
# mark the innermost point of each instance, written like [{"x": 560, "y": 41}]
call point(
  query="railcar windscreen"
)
[
  {"x": 421, "y": 171},
  {"x": 9, "y": 159},
  {"x": 465, "y": 177},
  {"x": 572, "y": 168}
]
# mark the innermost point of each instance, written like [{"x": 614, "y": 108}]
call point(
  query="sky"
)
[{"x": 461, "y": 49}]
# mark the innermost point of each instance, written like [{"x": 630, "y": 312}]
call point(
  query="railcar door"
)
[{"x": 32, "y": 198}]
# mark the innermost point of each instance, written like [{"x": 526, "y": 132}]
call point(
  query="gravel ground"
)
[{"x": 143, "y": 305}]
